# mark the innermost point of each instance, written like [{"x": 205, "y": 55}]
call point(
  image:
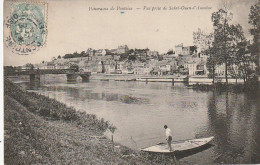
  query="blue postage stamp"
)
[{"x": 27, "y": 27}]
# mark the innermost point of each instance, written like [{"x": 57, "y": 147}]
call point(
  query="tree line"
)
[{"x": 228, "y": 46}]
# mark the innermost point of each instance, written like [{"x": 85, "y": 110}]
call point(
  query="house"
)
[
  {"x": 82, "y": 64},
  {"x": 196, "y": 67},
  {"x": 75, "y": 60},
  {"x": 169, "y": 57},
  {"x": 109, "y": 67},
  {"x": 91, "y": 52},
  {"x": 183, "y": 71},
  {"x": 42, "y": 65},
  {"x": 124, "y": 67},
  {"x": 122, "y": 49},
  {"x": 116, "y": 57},
  {"x": 174, "y": 66},
  {"x": 188, "y": 50},
  {"x": 191, "y": 66},
  {"x": 108, "y": 58},
  {"x": 113, "y": 51},
  {"x": 152, "y": 62},
  {"x": 232, "y": 70},
  {"x": 142, "y": 71},
  {"x": 62, "y": 65},
  {"x": 93, "y": 67},
  {"x": 120, "y": 65},
  {"x": 203, "y": 56},
  {"x": 51, "y": 65},
  {"x": 178, "y": 49},
  {"x": 100, "y": 52},
  {"x": 201, "y": 68},
  {"x": 138, "y": 68},
  {"x": 164, "y": 67},
  {"x": 142, "y": 68},
  {"x": 152, "y": 53},
  {"x": 156, "y": 71},
  {"x": 220, "y": 70}
]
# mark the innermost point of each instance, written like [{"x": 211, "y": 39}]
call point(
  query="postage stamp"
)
[{"x": 26, "y": 27}]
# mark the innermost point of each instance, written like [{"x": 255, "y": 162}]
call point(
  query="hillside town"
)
[{"x": 182, "y": 60}]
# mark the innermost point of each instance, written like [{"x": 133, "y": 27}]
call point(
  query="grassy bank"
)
[
  {"x": 249, "y": 87},
  {"x": 40, "y": 130}
]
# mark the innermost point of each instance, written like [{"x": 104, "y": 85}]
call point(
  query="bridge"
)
[{"x": 35, "y": 74}]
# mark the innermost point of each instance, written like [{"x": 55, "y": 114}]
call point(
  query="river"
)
[{"x": 139, "y": 110}]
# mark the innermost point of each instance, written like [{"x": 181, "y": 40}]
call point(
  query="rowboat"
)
[{"x": 179, "y": 146}]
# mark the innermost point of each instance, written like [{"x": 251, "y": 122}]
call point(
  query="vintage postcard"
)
[{"x": 131, "y": 82}]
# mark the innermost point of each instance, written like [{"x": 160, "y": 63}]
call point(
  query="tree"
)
[
  {"x": 132, "y": 57},
  {"x": 254, "y": 20},
  {"x": 211, "y": 61},
  {"x": 75, "y": 67},
  {"x": 59, "y": 57},
  {"x": 29, "y": 66},
  {"x": 202, "y": 40},
  {"x": 131, "y": 51},
  {"x": 54, "y": 58},
  {"x": 170, "y": 52},
  {"x": 226, "y": 36},
  {"x": 160, "y": 58},
  {"x": 82, "y": 54},
  {"x": 75, "y": 55},
  {"x": 9, "y": 70},
  {"x": 243, "y": 60},
  {"x": 123, "y": 56},
  {"x": 220, "y": 22},
  {"x": 68, "y": 56},
  {"x": 204, "y": 43}
]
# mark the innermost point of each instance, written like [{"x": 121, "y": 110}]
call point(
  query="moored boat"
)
[{"x": 179, "y": 146}]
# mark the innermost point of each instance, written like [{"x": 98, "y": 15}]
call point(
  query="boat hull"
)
[{"x": 179, "y": 146}]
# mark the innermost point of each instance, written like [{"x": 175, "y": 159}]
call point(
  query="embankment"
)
[
  {"x": 40, "y": 130},
  {"x": 251, "y": 86}
]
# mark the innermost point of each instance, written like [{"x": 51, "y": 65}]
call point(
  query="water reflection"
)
[
  {"x": 89, "y": 94},
  {"x": 234, "y": 121}
]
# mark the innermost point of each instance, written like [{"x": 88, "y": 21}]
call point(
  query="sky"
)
[{"x": 73, "y": 27}]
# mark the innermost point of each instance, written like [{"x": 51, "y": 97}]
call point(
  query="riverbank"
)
[
  {"x": 140, "y": 78},
  {"x": 252, "y": 86},
  {"x": 191, "y": 80},
  {"x": 40, "y": 130}
]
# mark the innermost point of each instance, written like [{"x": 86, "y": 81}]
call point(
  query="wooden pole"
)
[{"x": 112, "y": 143}]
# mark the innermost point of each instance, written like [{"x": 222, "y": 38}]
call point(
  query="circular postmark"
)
[{"x": 26, "y": 28}]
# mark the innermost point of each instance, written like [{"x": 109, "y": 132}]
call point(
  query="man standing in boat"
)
[{"x": 168, "y": 137}]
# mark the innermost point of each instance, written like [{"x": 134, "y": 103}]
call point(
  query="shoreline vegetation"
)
[
  {"x": 251, "y": 86},
  {"x": 41, "y": 130}
]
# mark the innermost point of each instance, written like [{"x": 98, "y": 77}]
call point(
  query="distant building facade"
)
[
  {"x": 122, "y": 49},
  {"x": 188, "y": 50}
]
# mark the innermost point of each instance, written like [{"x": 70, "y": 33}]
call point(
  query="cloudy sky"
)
[{"x": 73, "y": 27}]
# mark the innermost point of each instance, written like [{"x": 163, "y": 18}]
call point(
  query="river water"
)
[{"x": 139, "y": 110}]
